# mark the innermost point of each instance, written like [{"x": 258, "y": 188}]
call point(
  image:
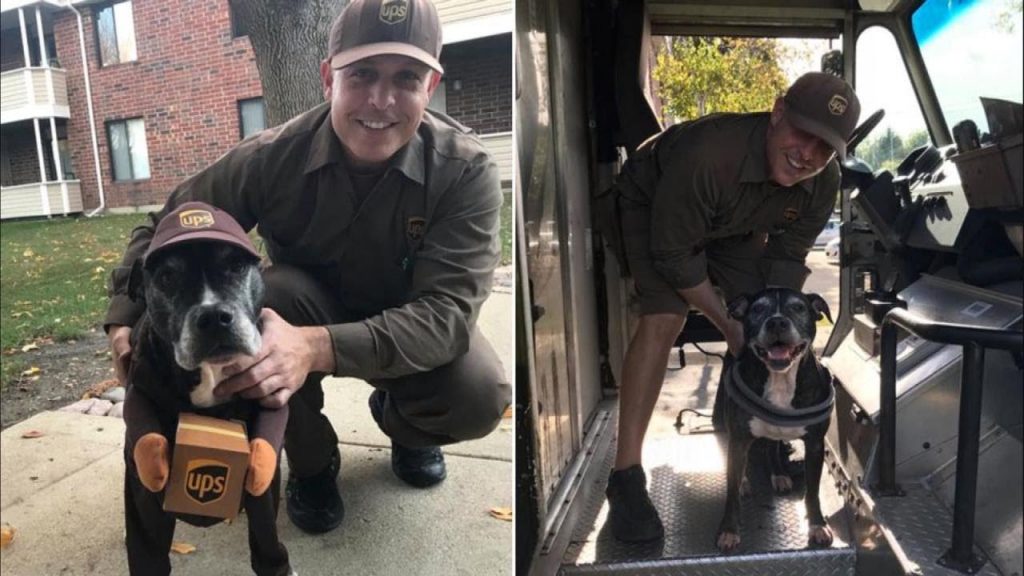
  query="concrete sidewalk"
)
[{"x": 62, "y": 493}]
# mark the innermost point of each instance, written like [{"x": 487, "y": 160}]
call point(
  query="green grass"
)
[{"x": 55, "y": 276}]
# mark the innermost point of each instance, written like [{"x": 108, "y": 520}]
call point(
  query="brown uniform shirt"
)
[
  {"x": 413, "y": 262},
  {"x": 706, "y": 185}
]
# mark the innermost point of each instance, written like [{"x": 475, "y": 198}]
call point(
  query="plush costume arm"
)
[
  {"x": 150, "y": 449},
  {"x": 267, "y": 436}
]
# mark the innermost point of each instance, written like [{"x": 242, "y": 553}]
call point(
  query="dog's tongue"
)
[{"x": 780, "y": 352}]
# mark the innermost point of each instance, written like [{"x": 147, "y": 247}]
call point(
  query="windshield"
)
[{"x": 972, "y": 48}]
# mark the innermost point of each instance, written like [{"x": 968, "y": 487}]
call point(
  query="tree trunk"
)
[{"x": 289, "y": 38}]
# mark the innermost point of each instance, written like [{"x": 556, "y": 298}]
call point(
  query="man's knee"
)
[
  {"x": 297, "y": 296},
  {"x": 464, "y": 409},
  {"x": 660, "y": 327},
  {"x": 482, "y": 411}
]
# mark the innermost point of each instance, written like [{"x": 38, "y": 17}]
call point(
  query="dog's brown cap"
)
[
  {"x": 368, "y": 28},
  {"x": 199, "y": 222}
]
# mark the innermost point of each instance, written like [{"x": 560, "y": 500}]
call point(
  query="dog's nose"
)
[
  {"x": 214, "y": 318},
  {"x": 777, "y": 324}
]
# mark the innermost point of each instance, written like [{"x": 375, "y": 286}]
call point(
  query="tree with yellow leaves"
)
[{"x": 702, "y": 75}]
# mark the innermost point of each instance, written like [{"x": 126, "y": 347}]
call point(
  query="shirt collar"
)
[
  {"x": 755, "y": 165},
  {"x": 325, "y": 148}
]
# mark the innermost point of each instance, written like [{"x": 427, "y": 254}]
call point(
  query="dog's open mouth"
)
[{"x": 779, "y": 355}]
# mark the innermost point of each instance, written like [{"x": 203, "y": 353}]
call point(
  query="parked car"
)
[
  {"x": 832, "y": 251},
  {"x": 830, "y": 231}
]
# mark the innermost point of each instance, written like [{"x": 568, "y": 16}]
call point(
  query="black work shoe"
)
[
  {"x": 630, "y": 512},
  {"x": 314, "y": 504},
  {"x": 419, "y": 467}
]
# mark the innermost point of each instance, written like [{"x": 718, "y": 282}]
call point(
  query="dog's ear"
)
[
  {"x": 136, "y": 288},
  {"x": 738, "y": 307},
  {"x": 820, "y": 306}
]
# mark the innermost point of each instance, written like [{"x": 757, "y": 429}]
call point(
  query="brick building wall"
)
[
  {"x": 484, "y": 68},
  {"x": 19, "y": 147},
  {"x": 185, "y": 85}
]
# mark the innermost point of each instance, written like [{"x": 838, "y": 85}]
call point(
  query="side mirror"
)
[{"x": 832, "y": 63}]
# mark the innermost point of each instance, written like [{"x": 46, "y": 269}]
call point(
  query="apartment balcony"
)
[
  {"x": 28, "y": 93},
  {"x": 40, "y": 199},
  {"x": 462, "y": 20},
  {"x": 500, "y": 147}
]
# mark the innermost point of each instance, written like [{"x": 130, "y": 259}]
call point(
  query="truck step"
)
[{"x": 686, "y": 479}]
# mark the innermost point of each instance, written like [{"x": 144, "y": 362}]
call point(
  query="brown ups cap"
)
[
  {"x": 368, "y": 28},
  {"x": 195, "y": 222},
  {"x": 823, "y": 105}
]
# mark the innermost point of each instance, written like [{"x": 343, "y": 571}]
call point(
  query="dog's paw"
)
[
  {"x": 728, "y": 541},
  {"x": 262, "y": 466},
  {"x": 820, "y": 536},
  {"x": 151, "y": 461},
  {"x": 745, "y": 490},
  {"x": 782, "y": 484}
]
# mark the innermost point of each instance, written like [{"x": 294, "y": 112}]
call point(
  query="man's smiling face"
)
[
  {"x": 793, "y": 154},
  {"x": 377, "y": 104}
]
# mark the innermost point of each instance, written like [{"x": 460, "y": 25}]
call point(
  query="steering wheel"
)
[{"x": 861, "y": 132}]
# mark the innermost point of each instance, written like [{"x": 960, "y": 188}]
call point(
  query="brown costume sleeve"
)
[
  {"x": 140, "y": 417},
  {"x": 270, "y": 426}
]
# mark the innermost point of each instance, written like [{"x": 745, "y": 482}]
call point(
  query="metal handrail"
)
[{"x": 974, "y": 339}]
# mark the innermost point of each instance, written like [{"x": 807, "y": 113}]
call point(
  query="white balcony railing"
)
[
  {"x": 25, "y": 94},
  {"x": 40, "y": 199}
]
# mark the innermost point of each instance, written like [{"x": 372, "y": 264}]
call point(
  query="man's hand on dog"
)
[{"x": 289, "y": 353}]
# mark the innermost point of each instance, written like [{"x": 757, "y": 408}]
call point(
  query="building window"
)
[
  {"x": 238, "y": 29},
  {"x": 115, "y": 29},
  {"x": 251, "y": 116},
  {"x": 128, "y": 151}
]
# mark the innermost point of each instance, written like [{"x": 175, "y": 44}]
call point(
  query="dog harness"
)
[{"x": 757, "y": 406}]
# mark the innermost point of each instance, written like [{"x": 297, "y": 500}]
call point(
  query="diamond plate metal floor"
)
[
  {"x": 923, "y": 529},
  {"x": 686, "y": 480}
]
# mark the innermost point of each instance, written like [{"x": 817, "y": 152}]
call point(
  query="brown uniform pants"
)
[{"x": 462, "y": 400}]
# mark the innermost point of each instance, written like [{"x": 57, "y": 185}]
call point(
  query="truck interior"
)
[{"x": 924, "y": 464}]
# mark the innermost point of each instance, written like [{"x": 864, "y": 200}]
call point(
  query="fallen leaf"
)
[
  {"x": 33, "y": 434},
  {"x": 6, "y": 535},
  {"x": 97, "y": 389},
  {"x": 28, "y": 253},
  {"x": 508, "y": 412},
  {"x": 502, "y": 513},
  {"x": 32, "y": 371},
  {"x": 182, "y": 548},
  {"x": 28, "y": 347}
]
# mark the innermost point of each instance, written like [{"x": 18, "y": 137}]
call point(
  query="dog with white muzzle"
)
[
  {"x": 776, "y": 390},
  {"x": 201, "y": 284}
]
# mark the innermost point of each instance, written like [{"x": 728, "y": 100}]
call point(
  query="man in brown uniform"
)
[
  {"x": 381, "y": 222},
  {"x": 733, "y": 200}
]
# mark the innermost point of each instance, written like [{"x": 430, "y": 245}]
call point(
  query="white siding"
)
[
  {"x": 500, "y": 147},
  {"x": 25, "y": 201},
  {"x": 14, "y": 102},
  {"x": 451, "y": 11}
]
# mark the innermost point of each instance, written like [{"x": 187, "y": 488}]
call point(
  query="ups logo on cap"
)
[
  {"x": 195, "y": 219},
  {"x": 837, "y": 105},
  {"x": 205, "y": 480},
  {"x": 394, "y": 11}
]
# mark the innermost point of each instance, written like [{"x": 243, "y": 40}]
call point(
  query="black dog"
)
[
  {"x": 203, "y": 298},
  {"x": 778, "y": 390}
]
